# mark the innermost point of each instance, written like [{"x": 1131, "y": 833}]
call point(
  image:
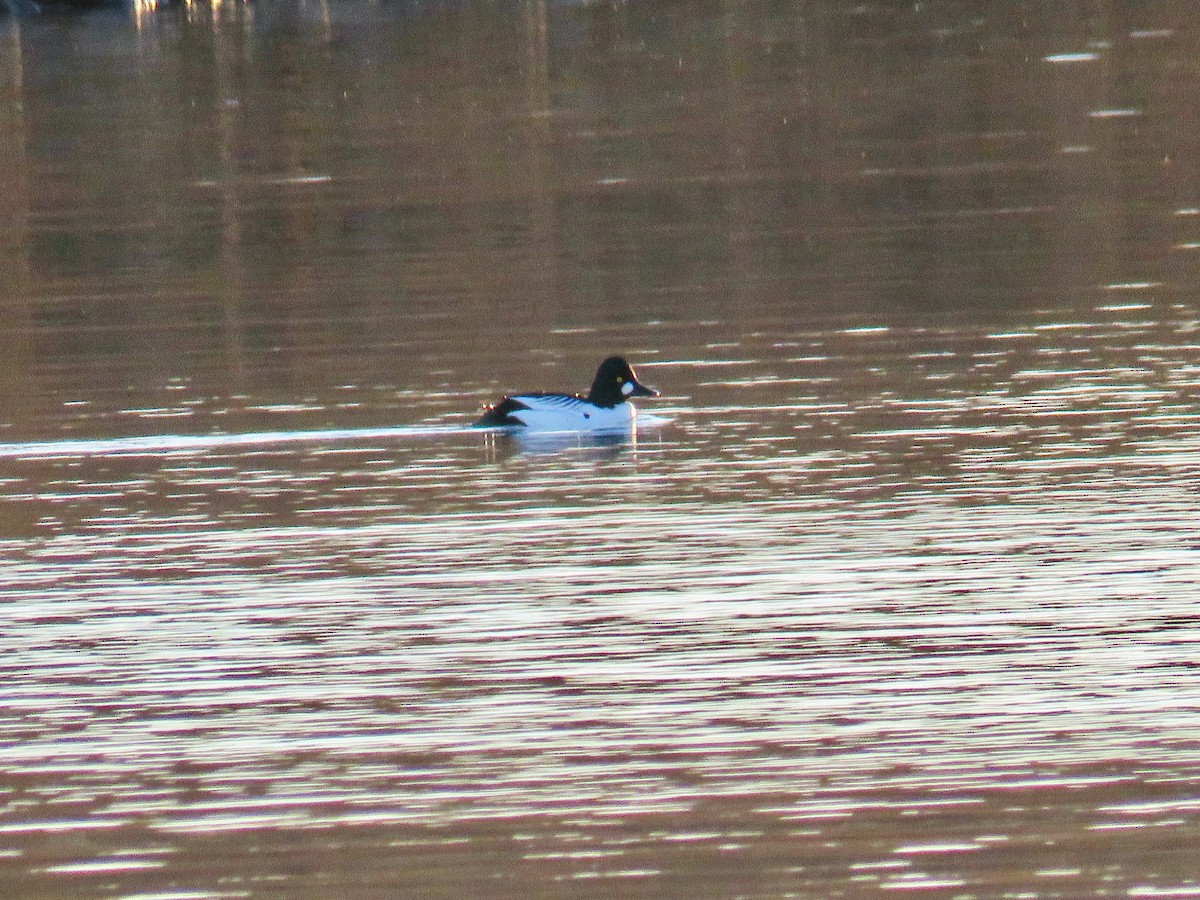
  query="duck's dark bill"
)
[{"x": 640, "y": 390}]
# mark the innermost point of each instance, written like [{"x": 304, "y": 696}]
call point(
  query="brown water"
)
[{"x": 904, "y": 594}]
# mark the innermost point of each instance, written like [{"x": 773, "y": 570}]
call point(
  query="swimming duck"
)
[{"x": 606, "y": 406}]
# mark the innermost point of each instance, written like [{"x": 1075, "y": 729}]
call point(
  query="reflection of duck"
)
[
  {"x": 605, "y": 408},
  {"x": 505, "y": 443}
]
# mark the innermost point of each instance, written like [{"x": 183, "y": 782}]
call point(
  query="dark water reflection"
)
[{"x": 901, "y": 595}]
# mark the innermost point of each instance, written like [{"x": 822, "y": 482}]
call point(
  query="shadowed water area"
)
[{"x": 896, "y": 588}]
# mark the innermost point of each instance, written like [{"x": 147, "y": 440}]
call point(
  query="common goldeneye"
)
[{"x": 605, "y": 408}]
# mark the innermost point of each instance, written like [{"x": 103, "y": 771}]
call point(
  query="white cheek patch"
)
[{"x": 627, "y": 388}]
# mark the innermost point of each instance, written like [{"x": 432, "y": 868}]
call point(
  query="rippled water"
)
[{"x": 894, "y": 589}]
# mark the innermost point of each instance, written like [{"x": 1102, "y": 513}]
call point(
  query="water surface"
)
[{"x": 897, "y": 592}]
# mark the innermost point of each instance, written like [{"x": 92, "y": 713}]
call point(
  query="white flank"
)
[{"x": 556, "y": 412}]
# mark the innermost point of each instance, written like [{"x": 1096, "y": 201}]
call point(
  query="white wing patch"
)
[{"x": 552, "y": 401}]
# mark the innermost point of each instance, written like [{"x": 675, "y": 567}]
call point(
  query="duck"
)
[{"x": 606, "y": 406}]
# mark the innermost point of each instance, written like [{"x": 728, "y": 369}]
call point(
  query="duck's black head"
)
[{"x": 615, "y": 383}]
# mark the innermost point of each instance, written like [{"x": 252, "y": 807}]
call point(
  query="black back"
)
[{"x": 500, "y": 414}]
